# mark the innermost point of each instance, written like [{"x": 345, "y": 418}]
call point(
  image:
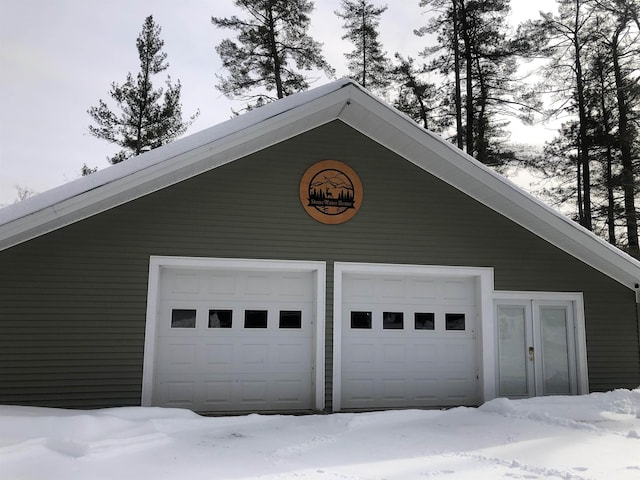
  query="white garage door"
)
[
  {"x": 234, "y": 340},
  {"x": 408, "y": 341}
]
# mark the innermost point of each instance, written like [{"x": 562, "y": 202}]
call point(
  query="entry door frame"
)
[
  {"x": 485, "y": 335},
  {"x": 535, "y": 299},
  {"x": 158, "y": 263}
]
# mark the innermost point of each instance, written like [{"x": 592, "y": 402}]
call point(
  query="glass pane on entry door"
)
[
  {"x": 555, "y": 350},
  {"x": 512, "y": 348}
]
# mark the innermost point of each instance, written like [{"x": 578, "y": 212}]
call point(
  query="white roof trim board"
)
[{"x": 341, "y": 100}]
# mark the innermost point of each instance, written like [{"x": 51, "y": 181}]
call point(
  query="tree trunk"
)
[
  {"x": 627, "y": 174},
  {"x": 579, "y": 187},
  {"x": 481, "y": 121},
  {"x": 456, "y": 60},
  {"x": 277, "y": 67},
  {"x": 606, "y": 126},
  {"x": 364, "y": 47},
  {"x": 582, "y": 115},
  {"x": 468, "y": 56},
  {"x": 142, "y": 105}
]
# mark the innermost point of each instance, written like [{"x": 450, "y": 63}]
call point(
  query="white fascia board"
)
[
  {"x": 168, "y": 165},
  {"x": 403, "y": 136}
]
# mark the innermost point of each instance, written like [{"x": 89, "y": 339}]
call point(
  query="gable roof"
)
[{"x": 341, "y": 100}]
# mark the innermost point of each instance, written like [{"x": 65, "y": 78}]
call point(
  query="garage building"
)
[{"x": 321, "y": 253}]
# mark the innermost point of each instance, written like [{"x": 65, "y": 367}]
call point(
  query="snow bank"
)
[{"x": 594, "y": 436}]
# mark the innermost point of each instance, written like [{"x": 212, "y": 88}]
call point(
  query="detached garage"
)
[{"x": 321, "y": 253}]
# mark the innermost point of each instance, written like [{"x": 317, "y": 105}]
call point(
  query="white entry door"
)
[{"x": 536, "y": 348}]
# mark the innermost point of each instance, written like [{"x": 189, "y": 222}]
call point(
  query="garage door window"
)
[
  {"x": 290, "y": 319},
  {"x": 255, "y": 319},
  {"x": 454, "y": 321},
  {"x": 361, "y": 320},
  {"x": 392, "y": 321},
  {"x": 182, "y": 318},
  {"x": 424, "y": 321},
  {"x": 220, "y": 318}
]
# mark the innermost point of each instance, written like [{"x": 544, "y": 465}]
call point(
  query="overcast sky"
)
[{"x": 59, "y": 57}]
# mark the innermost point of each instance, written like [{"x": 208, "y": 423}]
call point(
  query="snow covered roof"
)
[{"x": 341, "y": 100}]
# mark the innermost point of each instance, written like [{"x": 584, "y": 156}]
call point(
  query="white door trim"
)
[
  {"x": 577, "y": 299},
  {"x": 157, "y": 263},
  {"x": 486, "y": 337}
]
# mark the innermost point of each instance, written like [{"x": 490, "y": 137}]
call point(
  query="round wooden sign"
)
[{"x": 331, "y": 192}]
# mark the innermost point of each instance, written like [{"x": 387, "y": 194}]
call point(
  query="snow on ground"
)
[{"x": 595, "y": 436}]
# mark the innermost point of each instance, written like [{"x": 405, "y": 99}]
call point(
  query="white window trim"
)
[
  {"x": 157, "y": 263},
  {"x": 486, "y": 336},
  {"x": 577, "y": 299}
]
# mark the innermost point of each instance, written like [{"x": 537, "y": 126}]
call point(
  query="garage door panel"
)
[
  {"x": 394, "y": 356},
  {"x": 424, "y": 353},
  {"x": 359, "y": 288},
  {"x": 258, "y": 286},
  {"x": 425, "y": 389},
  {"x": 358, "y": 391},
  {"x": 219, "y": 355},
  {"x": 174, "y": 393},
  {"x": 457, "y": 356},
  {"x": 222, "y": 284},
  {"x": 289, "y": 391},
  {"x": 292, "y": 286},
  {"x": 254, "y": 355},
  {"x": 457, "y": 389},
  {"x": 393, "y": 389},
  {"x": 182, "y": 355},
  {"x": 217, "y": 394},
  {"x": 289, "y": 355},
  {"x": 186, "y": 283},
  {"x": 423, "y": 290},
  {"x": 361, "y": 355},
  {"x": 252, "y": 391},
  {"x": 393, "y": 289},
  {"x": 234, "y": 392}
]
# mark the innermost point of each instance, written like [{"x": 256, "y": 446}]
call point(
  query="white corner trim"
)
[
  {"x": 157, "y": 263},
  {"x": 486, "y": 339},
  {"x": 149, "y": 356}
]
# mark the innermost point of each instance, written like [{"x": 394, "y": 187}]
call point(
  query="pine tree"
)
[
  {"x": 477, "y": 49},
  {"x": 416, "y": 97},
  {"x": 618, "y": 29},
  {"x": 368, "y": 63},
  {"x": 565, "y": 39},
  {"x": 149, "y": 117},
  {"x": 272, "y": 47}
]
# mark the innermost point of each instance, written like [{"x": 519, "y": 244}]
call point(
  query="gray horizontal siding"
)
[{"x": 72, "y": 302}]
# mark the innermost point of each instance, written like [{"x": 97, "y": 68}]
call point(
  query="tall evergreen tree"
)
[
  {"x": 416, "y": 97},
  {"x": 565, "y": 39},
  {"x": 592, "y": 72},
  {"x": 618, "y": 32},
  {"x": 368, "y": 63},
  {"x": 475, "y": 46},
  {"x": 149, "y": 117},
  {"x": 273, "y": 46}
]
